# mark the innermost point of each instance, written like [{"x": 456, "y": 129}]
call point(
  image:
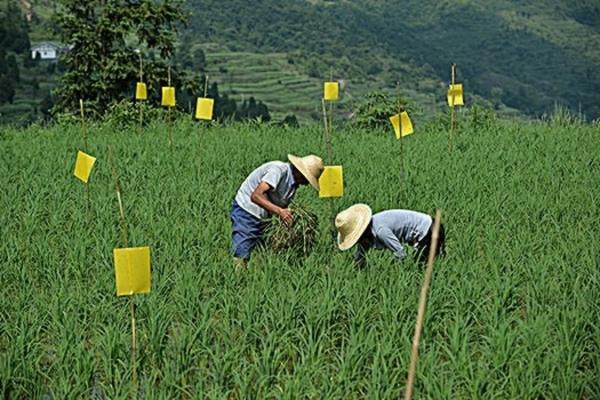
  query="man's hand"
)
[{"x": 286, "y": 216}]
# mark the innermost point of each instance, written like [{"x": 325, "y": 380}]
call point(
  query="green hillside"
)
[
  {"x": 527, "y": 56},
  {"x": 521, "y": 57}
]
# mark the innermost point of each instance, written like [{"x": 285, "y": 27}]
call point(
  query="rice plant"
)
[{"x": 513, "y": 309}]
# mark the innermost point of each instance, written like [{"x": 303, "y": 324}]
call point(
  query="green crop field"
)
[{"x": 513, "y": 310}]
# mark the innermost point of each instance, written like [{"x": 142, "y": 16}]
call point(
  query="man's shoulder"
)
[{"x": 273, "y": 165}]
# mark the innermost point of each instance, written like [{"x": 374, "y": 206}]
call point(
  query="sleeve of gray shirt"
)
[
  {"x": 390, "y": 241},
  {"x": 272, "y": 177}
]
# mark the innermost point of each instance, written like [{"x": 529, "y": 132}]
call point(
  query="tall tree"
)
[{"x": 103, "y": 35}]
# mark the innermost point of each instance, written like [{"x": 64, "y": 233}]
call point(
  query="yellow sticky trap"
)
[
  {"x": 204, "y": 108},
  {"x": 331, "y": 182},
  {"x": 83, "y": 166},
  {"x": 132, "y": 270},
  {"x": 407, "y": 127},
  {"x": 140, "y": 91},
  {"x": 455, "y": 95},
  {"x": 168, "y": 96},
  {"x": 331, "y": 91}
]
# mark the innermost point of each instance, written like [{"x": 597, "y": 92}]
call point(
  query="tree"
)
[
  {"x": 199, "y": 59},
  {"x": 104, "y": 35}
]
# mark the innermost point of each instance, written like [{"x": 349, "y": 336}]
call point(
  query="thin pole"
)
[
  {"x": 453, "y": 112},
  {"x": 205, "y": 85},
  {"x": 125, "y": 241},
  {"x": 140, "y": 101},
  {"x": 169, "y": 121},
  {"x": 83, "y": 126},
  {"x": 85, "y": 149},
  {"x": 327, "y": 135},
  {"x": 330, "y": 131},
  {"x": 133, "y": 345},
  {"x": 421, "y": 311},
  {"x": 402, "y": 169}
]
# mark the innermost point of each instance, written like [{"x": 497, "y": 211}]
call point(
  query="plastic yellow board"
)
[
  {"x": 140, "y": 91},
  {"x": 83, "y": 166},
  {"x": 204, "y": 108},
  {"x": 132, "y": 270},
  {"x": 331, "y": 182},
  {"x": 455, "y": 95},
  {"x": 331, "y": 91},
  {"x": 407, "y": 127},
  {"x": 168, "y": 96}
]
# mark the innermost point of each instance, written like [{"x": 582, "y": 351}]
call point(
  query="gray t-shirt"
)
[
  {"x": 393, "y": 228},
  {"x": 279, "y": 176}
]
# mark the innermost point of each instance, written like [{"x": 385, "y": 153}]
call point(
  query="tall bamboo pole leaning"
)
[
  {"x": 421, "y": 310},
  {"x": 453, "y": 108},
  {"x": 86, "y": 150},
  {"x": 125, "y": 242}
]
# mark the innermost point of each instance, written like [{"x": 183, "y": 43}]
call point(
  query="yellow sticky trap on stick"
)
[
  {"x": 331, "y": 91},
  {"x": 455, "y": 95},
  {"x": 204, "y": 108},
  {"x": 331, "y": 182},
  {"x": 132, "y": 270},
  {"x": 407, "y": 127},
  {"x": 168, "y": 96},
  {"x": 140, "y": 91},
  {"x": 83, "y": 166}
]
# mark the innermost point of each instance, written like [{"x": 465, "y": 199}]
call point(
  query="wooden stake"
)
[
  {"x": 140, "y": 101},
  {"x": 83, "y": 127},
  {"x": 169, "y": 122},
  {"x": 133, "y": 346},
  {"x": 331, "y": 116},
  {"x": 85, "y": 149},
  {"x": 453, "y": 111},
  {"x": 327, "y": 139},
  {"x": 422, "y": 303},
  {"x": 402, "y": 169},
  {"x": 125, "y": 242}
]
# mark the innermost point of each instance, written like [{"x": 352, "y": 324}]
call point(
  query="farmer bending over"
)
[
  {"x": 386, "y": 230},
  {"x": 269, "y": 189}
]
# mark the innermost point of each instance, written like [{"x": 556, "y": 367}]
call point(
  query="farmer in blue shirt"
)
[
  {"x": 268, "y": 190},
  {"x": 390, "y": 230}
]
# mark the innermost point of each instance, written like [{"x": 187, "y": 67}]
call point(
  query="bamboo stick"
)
[{"x": 421, "y": 310}]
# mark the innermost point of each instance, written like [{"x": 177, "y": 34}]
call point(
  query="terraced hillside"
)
[{"x": 286, "y": 88}]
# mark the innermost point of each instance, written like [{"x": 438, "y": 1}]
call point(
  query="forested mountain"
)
[
  {"x": 529, "y": 55},
  {"x": 526, "y": 55}
]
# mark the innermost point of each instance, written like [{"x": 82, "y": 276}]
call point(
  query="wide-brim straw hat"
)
[
  {"x": 311, "y": 167},
  {"x": 351, "y": 224}
]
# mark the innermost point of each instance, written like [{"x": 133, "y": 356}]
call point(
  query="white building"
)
[{"x": 46, "y": 50}]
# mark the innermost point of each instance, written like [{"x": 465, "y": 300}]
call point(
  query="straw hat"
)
[
  {"x": 351, "y": 224},
  {"x": 310, "y": 166}
]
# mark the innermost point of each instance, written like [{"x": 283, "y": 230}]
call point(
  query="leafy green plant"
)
[{"x": 376, "y": 109}]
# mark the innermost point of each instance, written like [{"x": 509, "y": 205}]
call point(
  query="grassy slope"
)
[{"x": 513, "y": 309}]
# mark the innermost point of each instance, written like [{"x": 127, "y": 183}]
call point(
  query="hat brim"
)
[
  {"x": 300, "y": 166},
  {"x": 363, "y": 213}
]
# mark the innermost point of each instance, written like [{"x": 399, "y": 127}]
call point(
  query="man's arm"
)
[
  {"x": 259, "y": 196},
  {"x": 390, "y": 241},
  {"x": 360, "y": 258}
]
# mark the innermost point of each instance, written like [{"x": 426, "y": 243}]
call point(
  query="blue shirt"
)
[
  {"x": 392, "y": 229},
  {"x": 279, "y": 176}
]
